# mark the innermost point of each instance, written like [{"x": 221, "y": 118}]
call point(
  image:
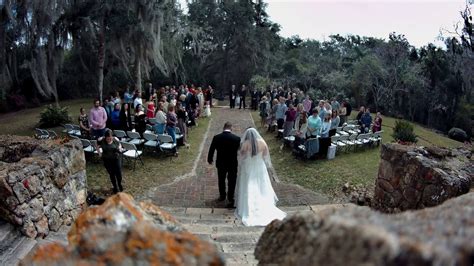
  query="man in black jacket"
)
[{"x": 227, "y": 145}]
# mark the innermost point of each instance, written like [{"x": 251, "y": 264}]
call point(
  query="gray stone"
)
[
  {"x": 22, "y": 210},
  {"x": 21, "y": 192},
  {"x": 55, "y": 221},
  {"x": 408, "y": 173},
  {"x": 359, "y": 236},
  {"x": 42, "y": 227},
  {"x": 35, "y": 210},
  {"x": 34, "y": 185},
  {"x": 29, "y": 229}
]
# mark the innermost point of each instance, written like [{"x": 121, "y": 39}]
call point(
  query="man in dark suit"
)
[{"x": 227, "y": 145}]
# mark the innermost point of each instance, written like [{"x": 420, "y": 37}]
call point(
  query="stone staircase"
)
[
  {"x": 236, "y": 241},
  {"x": 217, "y": 225},
  {"x": 14, "y": 246}
]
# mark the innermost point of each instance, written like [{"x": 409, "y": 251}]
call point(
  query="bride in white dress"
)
[{"x": 256, "y": 199}]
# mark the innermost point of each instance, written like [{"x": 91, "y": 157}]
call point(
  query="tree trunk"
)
[
  {"x": 138, "y": 74},
  {"x": 101, "y": 55}
]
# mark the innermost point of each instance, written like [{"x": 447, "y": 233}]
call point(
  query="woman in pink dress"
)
[{"x": 150, "y": 110}]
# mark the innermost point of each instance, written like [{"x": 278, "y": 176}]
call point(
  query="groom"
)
[{"x": 227, "y": 145}]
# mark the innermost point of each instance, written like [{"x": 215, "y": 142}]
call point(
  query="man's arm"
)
[{"x": 210, "y": 155}]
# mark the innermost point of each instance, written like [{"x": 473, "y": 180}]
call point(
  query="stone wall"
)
[
  {"x": 124, "y": 232},
  {"x": 42, "y": 183},
  {"x": 353, "y": 235},
  {"x": 413, "y": 177}
]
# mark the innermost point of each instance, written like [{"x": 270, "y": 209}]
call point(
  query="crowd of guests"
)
[
  {"x": 164, "y": 109},
  {"x": 297, "y": 114}
]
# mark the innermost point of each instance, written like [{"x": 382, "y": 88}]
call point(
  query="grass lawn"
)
[
  {"x": 157, "y": 169},
  {"x": 328, "y": 176}
]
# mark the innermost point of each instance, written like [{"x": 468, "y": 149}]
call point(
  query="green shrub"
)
[
  {"x": 54, "y": 116},
  {"x": 403, "y": 132}
]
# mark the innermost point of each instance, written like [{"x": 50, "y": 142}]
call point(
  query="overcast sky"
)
[{"x": 419, "y": 20}]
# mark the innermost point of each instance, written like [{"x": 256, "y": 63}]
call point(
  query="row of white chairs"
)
[
  {"x": 130, "y": 151},
  {"x": 45, "y": 134},
  {"x": 72, "y": 130},
  {"x": 149, "y": 137},
  {"x": 346, "y": 142}
]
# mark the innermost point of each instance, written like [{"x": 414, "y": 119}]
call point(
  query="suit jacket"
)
[{"x": 227, "y": 145}]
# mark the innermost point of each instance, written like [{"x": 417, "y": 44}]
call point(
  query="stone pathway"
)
[{"x": 200, "y": 189}]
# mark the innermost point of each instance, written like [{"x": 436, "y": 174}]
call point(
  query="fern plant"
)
[
  {"x": 54, "y": 116},
  {"x": 403, "y": 132}
]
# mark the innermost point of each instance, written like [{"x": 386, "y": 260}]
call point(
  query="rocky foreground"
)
[
  {"x": 443, "y": 235},
  {"x": 124, "y": 232}
]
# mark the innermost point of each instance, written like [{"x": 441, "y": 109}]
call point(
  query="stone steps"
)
[
  {"x": 219, "y": 226},
  {"x": 14, "y": 246}
]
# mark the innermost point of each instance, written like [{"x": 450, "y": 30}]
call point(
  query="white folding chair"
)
[
  {"x": 87, "y": 146},
  {"x": 151, "y": 140},
  {"x": 149, "y": 129},
  {"x": 131, "y": 152},
  {"x": 166, "y": 144},
  {"x": 121, "y": 135},
  {"x": 135, "y": 138},
  {"x": 76, "y": 130},
  {"x": 179, "y": 137},
  {"x": 41, "y": 133},
  {"x": 52, "y": 134}
]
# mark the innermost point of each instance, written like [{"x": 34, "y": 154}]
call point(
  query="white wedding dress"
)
[{"x": 256, "y": 199}]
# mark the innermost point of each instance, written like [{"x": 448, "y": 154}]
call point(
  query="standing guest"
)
[
  {"x": 127, "y": 96},
  {"x": 115, "y": 117},
  {"x": 314, "y": 124},
  {"x": 116, "y": 98},
  {"x": 301, "y": 131},
  {"x": 299, "y": 112},
  {"x": 322, "y": 109},
  {"x": 200, "y": 97},
  {"x": 289, "y": 120},
  {"x": 110, "y": 150},
  {"x": 280, "y": 113},
  {"x": 335, "y": 105},
  {"x": 343, "y": 114},
  {"x": 150, "y": 108},
  {"x": 210, "y": 95},
  {"x": 326, "y": 126},
  {"x": 307, "y": 103},
  {"x": 140, "y": 120},
  {"x": 232, "y": 96},
  {"x": 137, "y": 100},
  {"x": 173, "y": 100},
  {"x": 164, "y": 103},
  {"x": 359, "y": 116},
  {"x": 272, "y": 120},
  {"x": 242, "y": 94},
  {"x": 349, "y": 108},
  {"x": 84, "y": 123},
  {"x": 325, "y": 140},
  {"x": 366, "y": 120},
  {"x": 334, "y": 123},
  {"x": 181, "y": 115},
  {"x": 160, "y": 119},
  {"x": 171, "y": 121},
  {"x": 254, "y": 99},
  {"x": 125, "y": 117},
  {"x": 264, "y": 108},
  {"x": 98, "y": 120},
  {"x": 377, "y": 123},
  {"x": 149, "y": 91},
  {"x": 207, "y": 110}
]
